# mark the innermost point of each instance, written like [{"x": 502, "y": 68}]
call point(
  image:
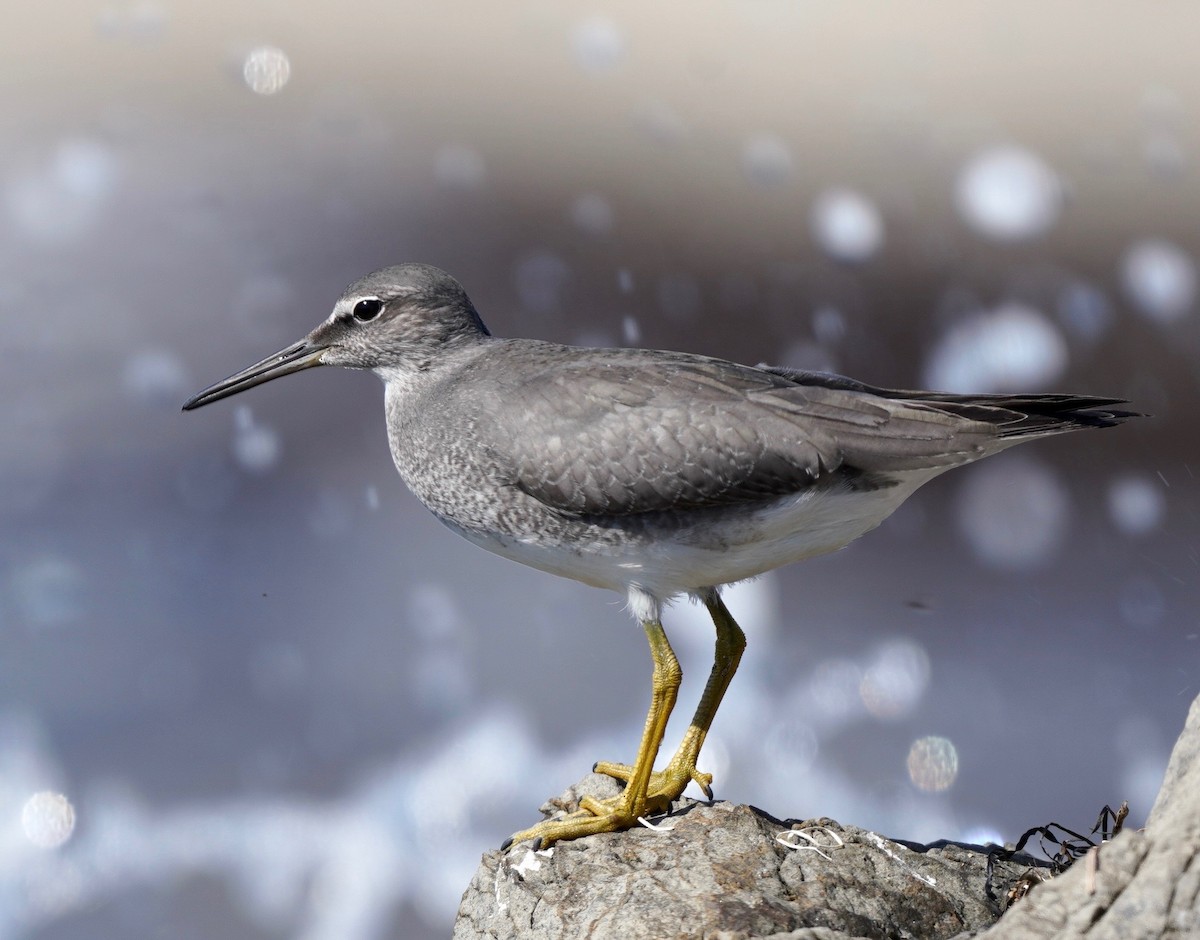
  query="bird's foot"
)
[
  {"x": 666, "y": 785},
  {"x": 594, "y": 816}
]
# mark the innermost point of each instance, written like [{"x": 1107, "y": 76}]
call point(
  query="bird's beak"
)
[{"x": 304, "y": 355}]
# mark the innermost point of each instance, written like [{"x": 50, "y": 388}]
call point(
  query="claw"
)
[
  {"x": 704, "y": 782},
  {"x": 620, "y": 772}
]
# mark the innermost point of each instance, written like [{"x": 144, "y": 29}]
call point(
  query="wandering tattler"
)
[{"x": 650, "y": 473}]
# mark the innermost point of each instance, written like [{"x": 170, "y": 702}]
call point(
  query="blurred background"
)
[{"x": 249, "y": 688}]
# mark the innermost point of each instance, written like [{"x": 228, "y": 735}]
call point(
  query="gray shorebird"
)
[{"x": 650, "y": 473}]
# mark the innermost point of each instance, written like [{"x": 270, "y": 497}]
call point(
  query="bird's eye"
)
[{"x": 368, "y": 309}]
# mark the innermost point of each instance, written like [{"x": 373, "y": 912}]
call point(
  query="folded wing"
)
[{"x": 672, "y": 432}]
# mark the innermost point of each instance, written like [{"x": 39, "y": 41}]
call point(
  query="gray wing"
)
[{"x": 655, "y": 431}]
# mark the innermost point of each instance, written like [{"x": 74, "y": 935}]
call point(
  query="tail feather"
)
[
  {"x": 1011, "y": 415},
  {"x": 1020, "y": 415}
]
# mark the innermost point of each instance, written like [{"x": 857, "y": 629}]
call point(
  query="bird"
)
[{"x": 651, "y": 473}]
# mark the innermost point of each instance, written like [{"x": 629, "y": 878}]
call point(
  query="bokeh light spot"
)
[
  {"x": 598, "y": 44},
  {"x": 593, "y": 214},
  {"x": 155, "y": 377},
  {"x": 1009, "y": 194},
  {"x": 48, "y": 819},
  {"x": 1013, "y": 511},
  {"x": 767, "y": 161},
  {"x": 1011, "y": 347},
  {"x": 1160, "y": 279},
  {"x": 256, "y": 448},
  {"x": 61, "y": 199},
  {"x": 266, "y": 70},
  {"x": 846, "y": 225},
  {"x": 1136, "y": 504},
  {"x": 932, "y": 764},
  {"x": 895, "y": 680},
  {"x": 829, "y": 325}
]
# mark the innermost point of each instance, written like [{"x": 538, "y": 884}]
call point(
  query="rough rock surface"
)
[{"x": 721, "y": 873}]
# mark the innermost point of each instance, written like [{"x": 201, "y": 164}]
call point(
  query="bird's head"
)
[{"x": 398, "y": 318}]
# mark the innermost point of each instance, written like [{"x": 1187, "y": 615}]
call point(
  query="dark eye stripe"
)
[{"x": 367, "y": 309}]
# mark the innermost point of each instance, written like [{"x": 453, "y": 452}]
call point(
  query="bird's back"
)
[
  {"x": 617, "y": 432},
  {"x": 620, "y": 457}
]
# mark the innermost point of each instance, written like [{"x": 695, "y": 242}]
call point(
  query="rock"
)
[{"x": 722, "y": 873}]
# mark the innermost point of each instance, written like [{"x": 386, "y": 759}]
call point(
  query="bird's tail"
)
[
  {"x": 1024, "y": 415},
  {"x": 1010, "y": 415}
]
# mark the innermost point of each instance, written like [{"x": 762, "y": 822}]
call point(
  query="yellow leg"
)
[
  {"x": 667, "y": 785},
  {"x": 623, "y": 810}
]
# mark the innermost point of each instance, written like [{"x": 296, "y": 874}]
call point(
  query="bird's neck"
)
[{"x": 420, "y": 370}]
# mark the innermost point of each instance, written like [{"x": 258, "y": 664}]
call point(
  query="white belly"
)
[{"x": 790, "y": 529}]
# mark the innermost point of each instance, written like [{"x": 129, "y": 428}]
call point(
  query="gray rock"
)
[{"x": 721, "y": 872}]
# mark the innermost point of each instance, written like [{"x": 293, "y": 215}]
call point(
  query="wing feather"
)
[{"x": 654, "y": 431}]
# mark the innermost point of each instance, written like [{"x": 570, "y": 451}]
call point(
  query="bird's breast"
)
[{"x": 665, "y": 554}]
